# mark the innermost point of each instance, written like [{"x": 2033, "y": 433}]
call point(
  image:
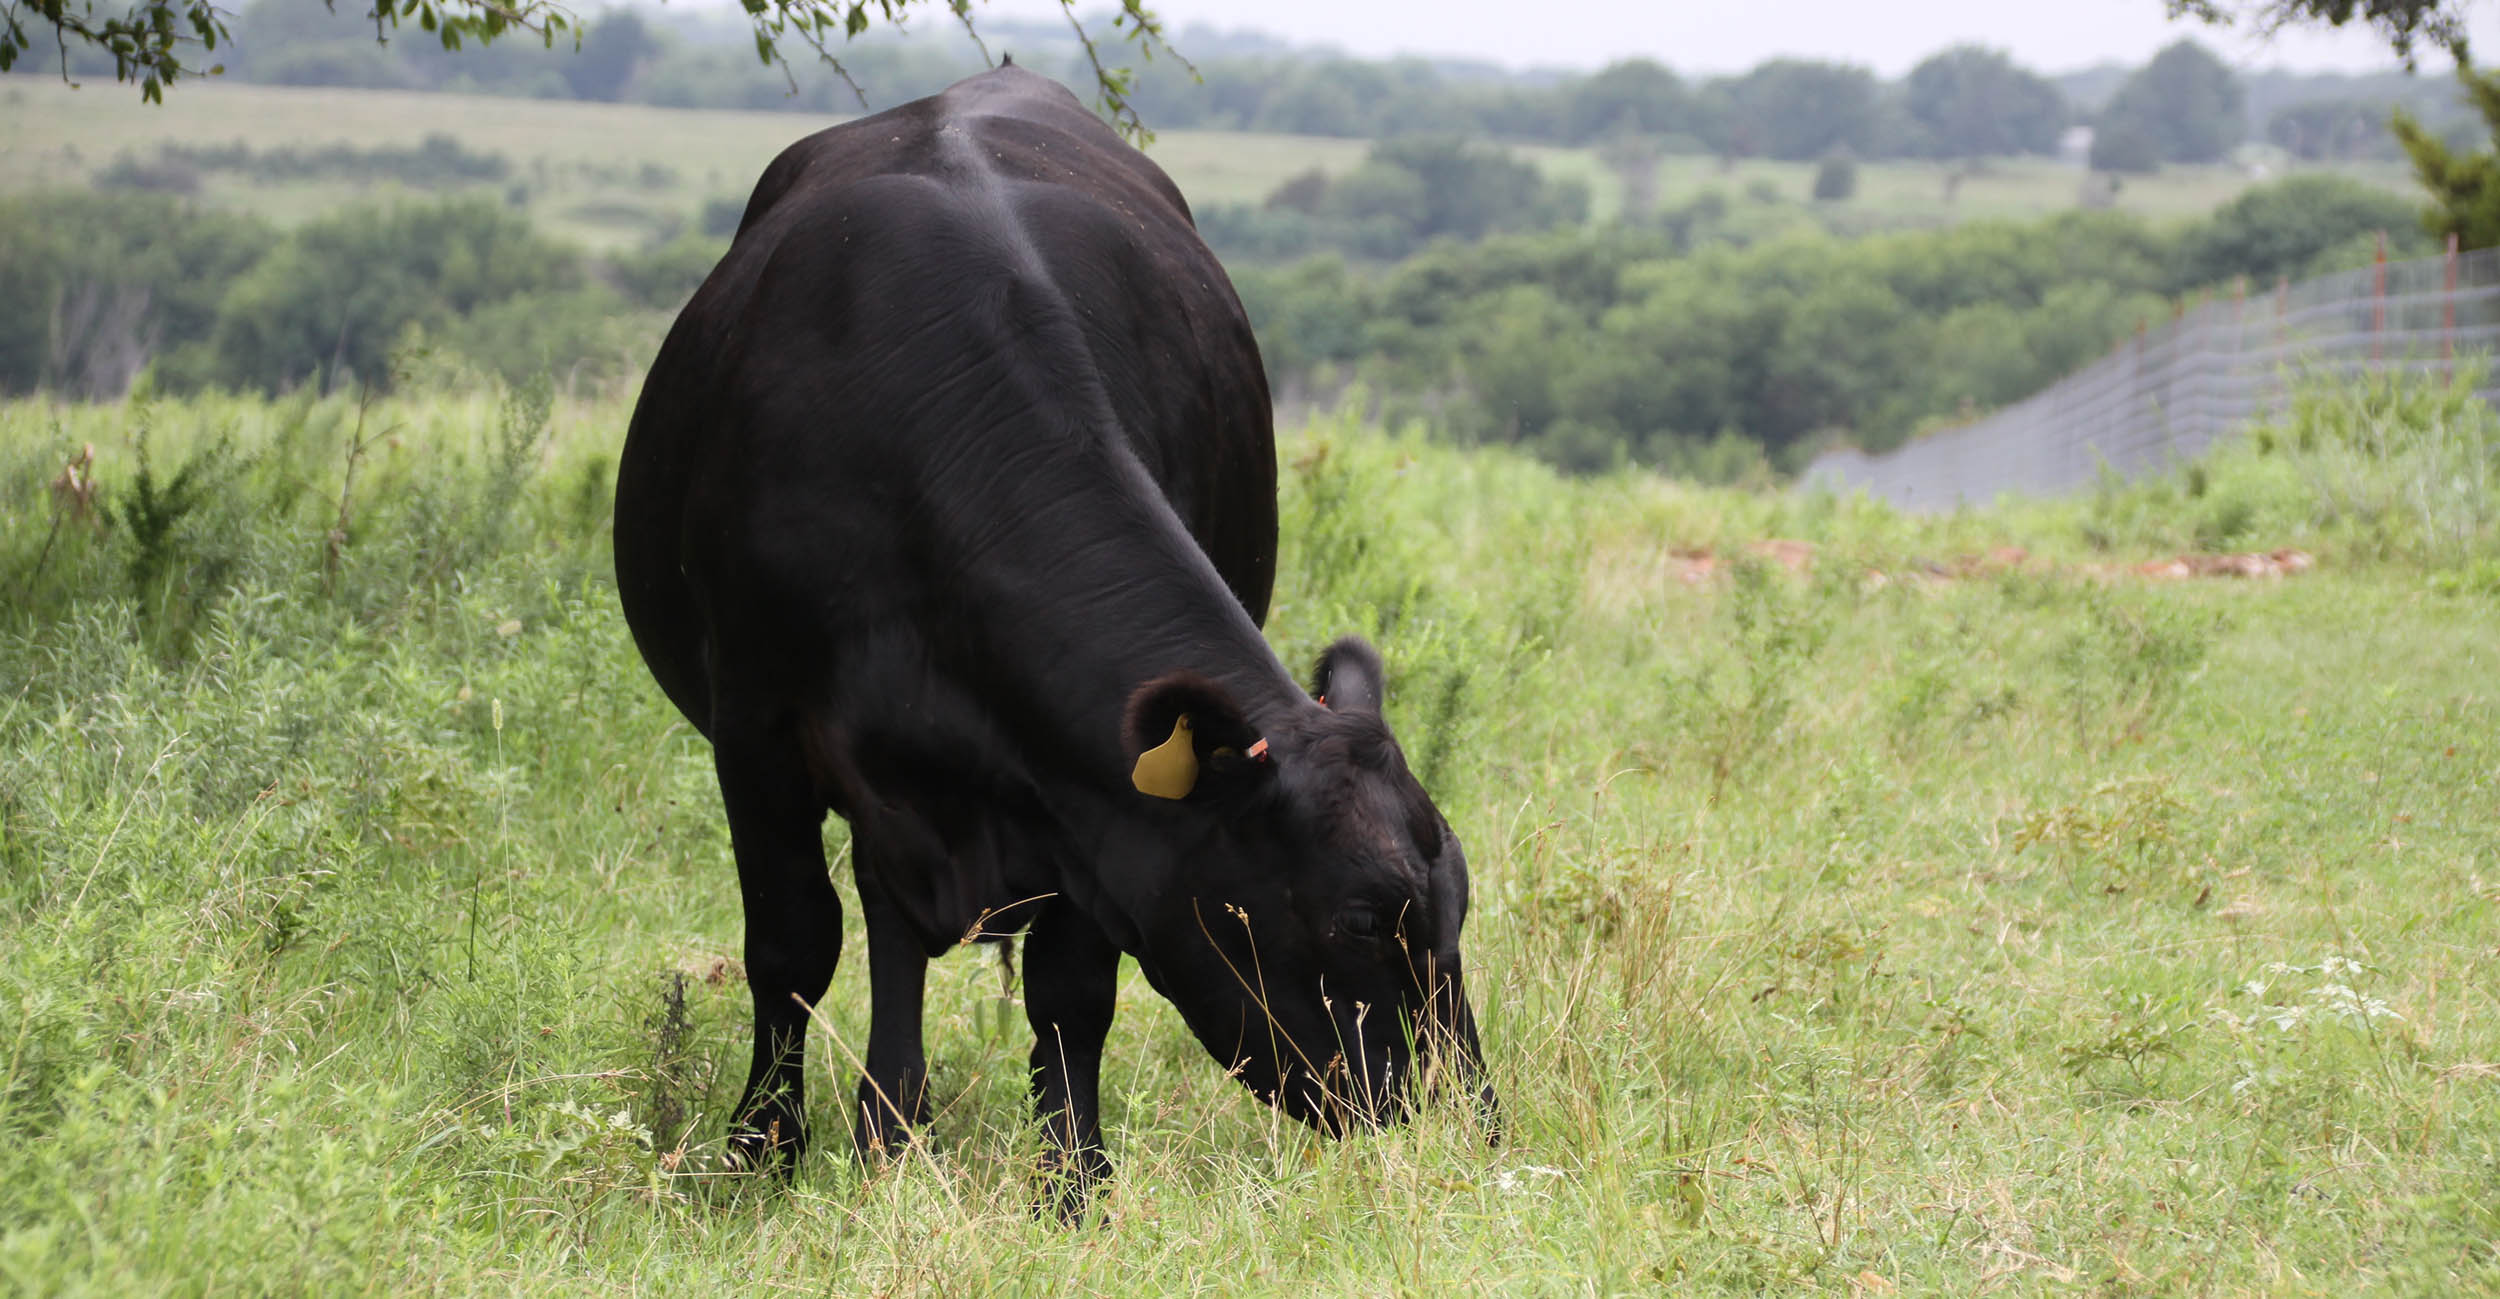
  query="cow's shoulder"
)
[{"x": 1005, "y": 125}]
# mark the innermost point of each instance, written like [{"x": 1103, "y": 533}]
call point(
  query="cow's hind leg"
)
[
  {"x": 894, "y": 1089},
  {"x": 794, "y": 923},
  {"x": 1071, "y": 986}
]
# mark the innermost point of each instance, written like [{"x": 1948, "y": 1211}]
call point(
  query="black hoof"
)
[
  {"x": 885, "y": 1124},
  {"x": 1489, "y": 1113},
  {"x": 771, "y": 1147},
  {"x": 1068, "y": 1183}
]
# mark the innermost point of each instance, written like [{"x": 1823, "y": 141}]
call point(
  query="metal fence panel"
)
[{"x": 2173, "y": 390}]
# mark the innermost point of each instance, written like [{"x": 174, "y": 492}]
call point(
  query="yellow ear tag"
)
[{"x": 1169, "y": 769}]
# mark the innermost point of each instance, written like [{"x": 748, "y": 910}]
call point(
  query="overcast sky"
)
[{"x": 1696, "y": 37}]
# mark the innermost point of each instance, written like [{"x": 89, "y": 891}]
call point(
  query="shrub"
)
[
  {"x": 2124, "y": 147},
  {"x": 437, "y": 160},
  {"x": 664, "y": 276},
  {"x": 2288, "y": 227},
  {"x": 721, "y": 217},
  {"x": 164, "y": 176},
  {"x": 1836, "y": 179},
  {"x": 577, "y": 336},
  {"x": 98, "y": 287},
  {"x": 1406, "y": 192},
  {"x": 333, "y": 301}
]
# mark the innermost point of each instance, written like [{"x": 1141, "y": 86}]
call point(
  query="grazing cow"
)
[{"x": 950, "y": 506}]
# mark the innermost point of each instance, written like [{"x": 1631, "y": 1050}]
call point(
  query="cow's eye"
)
[{"x": 1359, "y": 921}]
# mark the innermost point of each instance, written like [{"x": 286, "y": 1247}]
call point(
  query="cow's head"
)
[{"x": 1307, "y": 925}]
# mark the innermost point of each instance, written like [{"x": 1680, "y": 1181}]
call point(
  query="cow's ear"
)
[
  {"x": 1185, "y": 733},
  {"x": 1348, "y": 679}
]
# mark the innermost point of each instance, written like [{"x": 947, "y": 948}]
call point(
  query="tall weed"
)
[
  {"x": 2386, "y": 467},
  {"x": 2410, "y": 466},
  {"x": 180, "y": 556}
]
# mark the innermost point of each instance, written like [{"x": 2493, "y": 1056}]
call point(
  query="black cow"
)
[{"x": 950, "y": 505}]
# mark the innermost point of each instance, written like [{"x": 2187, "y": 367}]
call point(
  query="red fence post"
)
[
  {"x": 2378, "y": 298},
  {"x": 2239, "y": 346},
  {"x": 2448, "y": 312}
]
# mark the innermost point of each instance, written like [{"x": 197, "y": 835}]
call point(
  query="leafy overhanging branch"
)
[
  {"x": 2464, "y": 185},
  {"x": 2406, "y": 25}
]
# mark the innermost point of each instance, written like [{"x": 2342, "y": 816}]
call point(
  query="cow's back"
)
[{"x": 981, "y": 280}]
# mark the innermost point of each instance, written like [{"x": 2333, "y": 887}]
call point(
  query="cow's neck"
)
[{"x": 1100, "y": 591}]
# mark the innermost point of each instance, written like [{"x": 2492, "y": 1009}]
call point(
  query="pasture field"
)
[
  {"x": 1925, "y": 921},
  {"x": 609, "y": 175},
  {"x": 1912, "y": 192},
  {"x": 615, "y": 175}
]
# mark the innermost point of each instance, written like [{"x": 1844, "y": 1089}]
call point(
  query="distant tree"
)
[
  {"x": 162, "y": 175},
  {"x": 334, "y": 299},
  {"x": 1636, "y": 95},
  {"x": 1470, "y": 191},
  {"x": 720, "y": 217},
  {"x": 1837, "y": 178},
  {"x": 663, "y": 277},
  {"x": 2284, "y": 228},
  {"x": 1379, "y": 190},
  {"x": 1336, "y": 98},
  {"x": 612, "y": 49},
  {"x": 2406, "y": 25},
  {"x": 1312, "y": 312},
  {"x": 1301, "y": 192},
  {"x": 157, "y": 42},
  {"x": 2187, "y": 101},
  {"x": 1516, "y": 341},
  {"x": 101, "y": 285},
  {"x": 1405, "y": 193},
  {"x": 1634, "y": 157},
  {"x": 1799, "y": 109},
  {"x": 2464, "y": 187},
  {"x": 1975, "y": 103}
]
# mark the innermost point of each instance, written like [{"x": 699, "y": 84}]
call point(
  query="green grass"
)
[
  {"x": 2032, "y": 932},
  {"x": 60, "y": 136}
]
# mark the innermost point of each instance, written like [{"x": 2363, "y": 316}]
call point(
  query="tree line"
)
[
  {"x": 1718, "y": 338},
  {"x": 117, "y": 285},
  {"x": 1962, "y": 102},
  {"x": 1406, "y": 192},
  {"x": 1706, "y": 343},
  {"x": 1713, "y": 355}
]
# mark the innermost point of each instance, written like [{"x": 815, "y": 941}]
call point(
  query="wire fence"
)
[{"x": 2173, "y": 390}]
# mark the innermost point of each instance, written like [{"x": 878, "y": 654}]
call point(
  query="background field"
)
[
  {"x": 583, "y": 165},
  {"x": 1937, "y": 918}
]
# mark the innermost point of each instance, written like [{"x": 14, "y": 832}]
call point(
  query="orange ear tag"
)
[{"x": 1169, "y": 769}]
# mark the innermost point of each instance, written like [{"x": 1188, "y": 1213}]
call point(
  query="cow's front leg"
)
[
  {"x": 1071, "y": 980},
  {"x": 894, "y": 1090},
  {"x": 794, "y": 925}
]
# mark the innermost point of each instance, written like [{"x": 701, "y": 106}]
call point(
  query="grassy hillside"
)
[
  {"x": 613, "y": 174},
  {"x": 1914, "y": 191},
  {"x": 584, "y": 164},
  {"x": 1927, "y": 920}
]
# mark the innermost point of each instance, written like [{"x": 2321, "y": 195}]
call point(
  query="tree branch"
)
[{"x": 2405, "y": 25}]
